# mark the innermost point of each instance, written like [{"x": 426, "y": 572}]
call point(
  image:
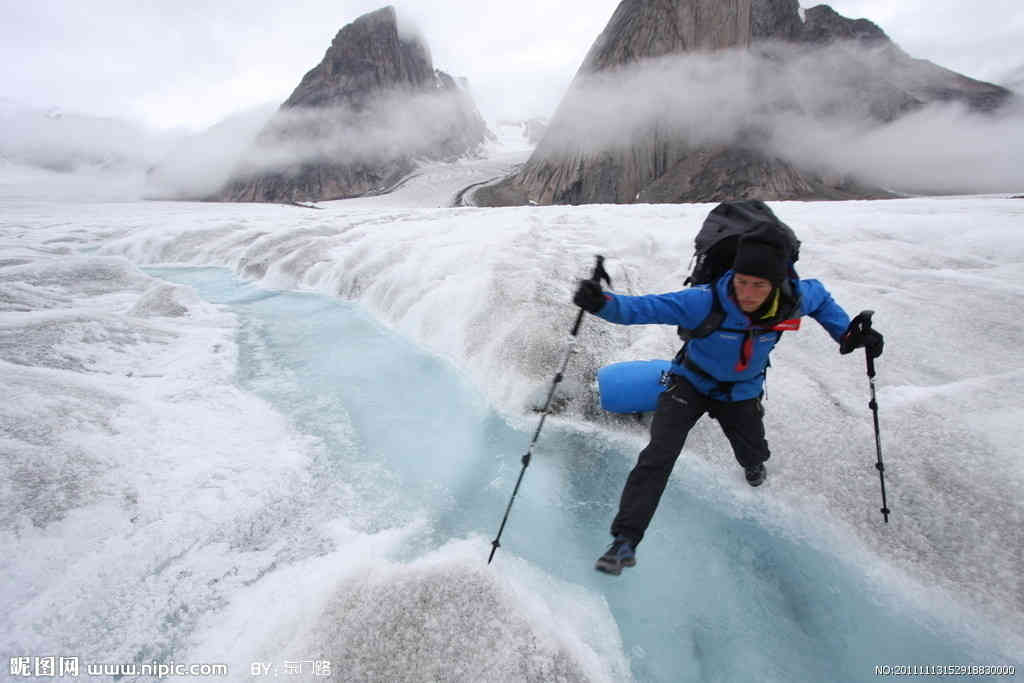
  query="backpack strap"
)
[{"x": 712, "y": 322}]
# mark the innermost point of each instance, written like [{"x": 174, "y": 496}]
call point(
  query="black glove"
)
[
  {"x": 589, "y": 296},
  {"x": 856, "y": 337}
]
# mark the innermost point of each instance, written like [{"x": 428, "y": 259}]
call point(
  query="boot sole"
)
[{"x": 615, "y": 569}]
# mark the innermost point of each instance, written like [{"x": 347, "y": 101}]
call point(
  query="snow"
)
[{"x": 156, "y": 503}]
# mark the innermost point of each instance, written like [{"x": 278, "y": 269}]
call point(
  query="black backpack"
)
[
  {"x": 715, "y": 244},
  {"x": 715, "y": 250}
]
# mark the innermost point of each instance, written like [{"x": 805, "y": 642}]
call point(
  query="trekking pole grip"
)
[
  {"x": 597, "y": 275},
  {"x": 599, "y": 271},
  {"x": 865, "y": 324}
]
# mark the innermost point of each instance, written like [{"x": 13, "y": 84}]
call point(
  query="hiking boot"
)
[
  {"x": 756, "y": 475},
  {"x": 619, "y": 554}
]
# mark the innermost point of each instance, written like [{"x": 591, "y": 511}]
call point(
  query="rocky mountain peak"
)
[
  {"x": 365, "y": 56},
  {"x": 822, "y": 24},
  {"x": 359, "y": 120},
  {"x": 646, "y": 29}
]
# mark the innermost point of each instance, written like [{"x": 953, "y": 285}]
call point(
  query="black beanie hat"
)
[{"x": 761, "y": 259}]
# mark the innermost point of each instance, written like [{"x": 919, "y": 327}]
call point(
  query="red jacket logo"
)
[{"x": 786, "y": 325}]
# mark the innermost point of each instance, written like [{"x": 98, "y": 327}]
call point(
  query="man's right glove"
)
[
  {"x": 589, "y": 296},
  {"x": 856, "y": 336}
]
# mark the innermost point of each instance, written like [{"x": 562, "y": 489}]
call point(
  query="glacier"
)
[{"x": 261, "y": 434}]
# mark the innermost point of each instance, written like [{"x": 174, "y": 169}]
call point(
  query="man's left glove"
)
[
  {"x": 589, "y": 296},
  {"x": 870, "y": 338}
]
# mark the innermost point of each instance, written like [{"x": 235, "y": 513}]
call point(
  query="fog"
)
[
  {"x": 204, "y": 162},
  {"x": 68, "y": 142},
  {"x": 91, "y": 158},
  {"x": 1013, "y": 79},
  {"x": 942, "y": 149},
  {"x": 74, "y": 156},
  {"x": 838, "y": 109},
  {"x": 64, "y": 155},
  {"x": 389, "y": 126}
]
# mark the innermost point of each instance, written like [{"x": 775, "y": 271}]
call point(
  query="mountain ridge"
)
[{"x": 864, "y": 70}]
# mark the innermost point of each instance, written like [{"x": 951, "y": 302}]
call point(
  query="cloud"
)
[
  {"x": 841, "y": 109},
  {"x": 977, "y": 39},
  {"x": 202, "y": 163},
  {"x": 1013, "y": 79},
  {"x": 66, "y": 142},
  {"x": 49, "y": 153},
  {"x": 88, "y": 152},
  {"x": 266, "y": 140},
  {"x": 409, "y": 28},
  {"x": 390, "y": 126},
  {"x": 58, "y": 155},
  {"x": 943, "y": 148}
]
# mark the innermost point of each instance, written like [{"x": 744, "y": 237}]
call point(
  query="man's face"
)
[{"x": 751, "y": 291}]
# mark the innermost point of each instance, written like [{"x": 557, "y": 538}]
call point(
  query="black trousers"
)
[{"x": 679, "y": 408}]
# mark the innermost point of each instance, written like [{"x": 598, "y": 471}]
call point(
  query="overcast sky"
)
[{"x": 189, "y": 63}]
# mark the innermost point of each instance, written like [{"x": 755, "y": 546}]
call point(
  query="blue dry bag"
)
[{"x": 633, "y": 386}]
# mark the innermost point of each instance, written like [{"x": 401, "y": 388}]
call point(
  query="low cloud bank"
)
[
  {"x": 203, "y": 163},
  {"x": 50, "y": 154},
  {"x": 843, "y": 109},
  {"x": 93, "y": 155},
  {"x": 67, "y": 143},
  {"x": 388, "y": 127}
]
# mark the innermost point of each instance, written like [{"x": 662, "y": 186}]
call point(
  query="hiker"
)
[{"x": 721, "y": 373}]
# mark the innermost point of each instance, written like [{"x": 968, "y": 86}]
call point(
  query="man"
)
[{"x": 721, "y": 374}]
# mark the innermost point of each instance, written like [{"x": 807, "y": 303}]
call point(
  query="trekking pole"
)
[
  {"x": 863, "y": 323},
  {"x": 598, "y": 274}
]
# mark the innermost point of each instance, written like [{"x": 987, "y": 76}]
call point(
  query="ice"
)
[
  {"x": 448, "y": 616},
  {"x": 163, "y": 300},
  {"x": 444, "y": 616},
  {"x": 197, "y": 468},
  {"x": 127, "y": 449}
]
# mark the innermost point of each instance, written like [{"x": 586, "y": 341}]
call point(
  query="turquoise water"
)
[{"x": 714, "y": 597}]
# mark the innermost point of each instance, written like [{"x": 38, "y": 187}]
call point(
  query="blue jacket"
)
[{"x": 720, "y": 354}]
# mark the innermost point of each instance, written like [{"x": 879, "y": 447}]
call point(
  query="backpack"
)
[
  {"x": 715, "y": 250},
  {"x": 715, "y": 244}
]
